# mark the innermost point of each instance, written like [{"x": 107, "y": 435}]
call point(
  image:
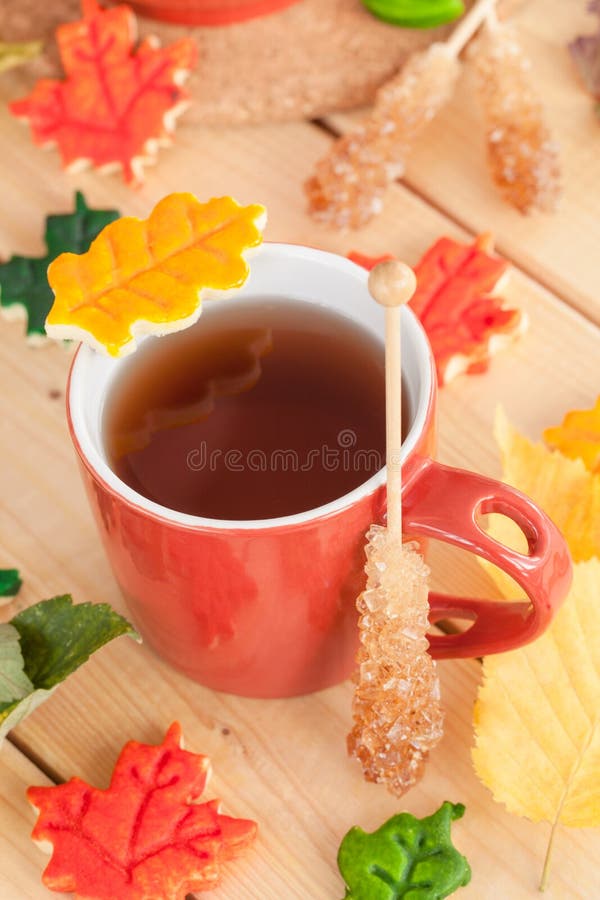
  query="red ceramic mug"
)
[
  {"x": 267, "y": 608},
  {"x": 208, "y": 12}
]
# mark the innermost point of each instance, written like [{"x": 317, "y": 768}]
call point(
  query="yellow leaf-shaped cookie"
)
[
  {"x": 143, "y": 276},
  {"x": 537, "y": 717},
  {"x": 579, "y": 436},
  {"x": 563, "y": 488}
]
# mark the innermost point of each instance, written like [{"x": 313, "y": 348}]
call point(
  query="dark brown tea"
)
[{"x": 262, "y": 409}]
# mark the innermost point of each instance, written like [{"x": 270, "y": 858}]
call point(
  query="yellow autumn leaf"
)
[
  {"x": 563, "y": 488},
  {"x": 538, "y": 712},
  {"x": 149, "y": 275},
  {"x": 578, "y": 437}
]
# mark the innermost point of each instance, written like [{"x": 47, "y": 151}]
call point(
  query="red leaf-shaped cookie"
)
[
  {"x": 464, "y": 322},
  {"x": 116, "y": 105},
  {"x": 146, "y": 836}
]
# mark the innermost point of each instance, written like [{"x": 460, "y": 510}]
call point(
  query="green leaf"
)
[
  {"x": 406, "y": 858},
  {"x": 14, "y": 683},
  {"x": 56, "y": 638},
  {"x": 10, "y": 582},
  {"x": 416, "y": 13},
  {"x": 16, "y": 54},
  {"x": 23, "y": 280}
]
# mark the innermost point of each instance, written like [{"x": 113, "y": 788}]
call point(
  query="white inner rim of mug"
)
[{"x": 278, "y": 271}]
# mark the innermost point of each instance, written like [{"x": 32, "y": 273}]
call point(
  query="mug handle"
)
[{"x": 444, "y": 504}]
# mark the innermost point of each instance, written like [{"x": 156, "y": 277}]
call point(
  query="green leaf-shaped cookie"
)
[
  {"x": 23, "y": 280},
  {"x": 416, "y": 13},
  {"x": 406, "y": 858},
  {"x": 10, "y": 582},
  {"x": 55, "y": 638}
]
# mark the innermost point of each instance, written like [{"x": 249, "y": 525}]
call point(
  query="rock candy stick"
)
[
  {"x": 522, "y": 156},
  {"x": 348, "y": 185},
  {"x": 396, "y": 709}
]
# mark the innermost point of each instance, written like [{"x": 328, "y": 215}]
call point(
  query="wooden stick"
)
[
  {"x": 491, "y": 20},
  {"x": 469, "y": 24},
  {"x": 392, "y": 283}
]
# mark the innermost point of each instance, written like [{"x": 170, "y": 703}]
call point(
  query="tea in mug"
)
[{"x": 261, "y": 409}]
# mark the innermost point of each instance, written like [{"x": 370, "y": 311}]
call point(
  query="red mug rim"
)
[{"x": 270, "y": 254}]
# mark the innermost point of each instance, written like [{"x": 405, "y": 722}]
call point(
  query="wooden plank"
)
[
  {"x": 22, "y": 861},
  {"x": 303, "y": 806},
  {"x": 448, "y": 166},
  {"x": 282, "y": 762}
]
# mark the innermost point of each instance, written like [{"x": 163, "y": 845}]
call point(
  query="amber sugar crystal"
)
[
  {"x": 522, "y": 156},
  {"x": 348, "y": 185},
  {"x": 397, "y": 711}
]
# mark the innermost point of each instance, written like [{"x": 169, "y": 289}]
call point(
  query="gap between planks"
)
[{"x": 34, "y": 757}]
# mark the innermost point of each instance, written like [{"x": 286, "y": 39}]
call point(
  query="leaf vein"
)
[
  {"x": 554, "y": 711},
  {"x": 196, "y": 241},
  {"x": 525, "y": 724}
]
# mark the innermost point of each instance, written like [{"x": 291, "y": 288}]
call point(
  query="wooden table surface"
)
[{"x": 283, "y": 762}]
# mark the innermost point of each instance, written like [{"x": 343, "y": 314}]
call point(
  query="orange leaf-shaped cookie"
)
[
  {"x": 117, "y": 104},
  {"x": 148, "y": 276},
  {"x": 579, "y": 436},
  {"x": 147, "y": 836}
]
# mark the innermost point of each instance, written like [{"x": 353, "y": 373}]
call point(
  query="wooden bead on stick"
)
[{"x": 392, "y": 283}]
